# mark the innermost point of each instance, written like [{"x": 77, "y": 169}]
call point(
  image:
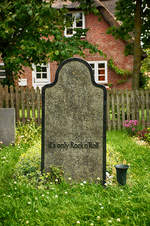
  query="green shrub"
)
[{"x": 144, "y": 134}]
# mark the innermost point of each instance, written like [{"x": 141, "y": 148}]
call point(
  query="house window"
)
[
  {"x": 77, "y": 21},
  {"x": 2, "y": 71},
  {"x": 100, "y": 71},
  {"x": 41, "y": 75},
  {"x": 41, "y": 72}
]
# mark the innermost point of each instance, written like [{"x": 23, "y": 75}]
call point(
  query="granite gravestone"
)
[
  {"x": 74, "y": 123},
  {"x": 7, "y": 125}
]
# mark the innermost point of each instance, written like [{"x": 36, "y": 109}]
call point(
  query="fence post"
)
[{"x": 1, "y": 96}]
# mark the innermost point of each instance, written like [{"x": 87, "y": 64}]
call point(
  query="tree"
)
[
  {"x": 31, "y": 32},
  {"x": 134, "y": 16}
]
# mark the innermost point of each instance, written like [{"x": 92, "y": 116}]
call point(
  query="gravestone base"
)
[{"x": 7, "y": 126}]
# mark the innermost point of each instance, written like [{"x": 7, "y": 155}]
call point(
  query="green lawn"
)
[{"x": 27, "y": 198}]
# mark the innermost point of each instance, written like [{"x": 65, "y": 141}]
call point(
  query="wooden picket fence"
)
[
  {"x": 26, "y": 101},
  {"x": 121, "y": 105}
]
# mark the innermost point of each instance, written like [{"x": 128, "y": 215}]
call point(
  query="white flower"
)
[
  {"x": 81, "y": 184},
  {"x": 15, "y": 182},
  {"x": 84, "y": 182},
  {"x": 118, "y": 219},
  {"x": 29, "y": 203},
  {"x": 100, "y": 204},
  {"x": 51, "y": 183},
  {"x": 91, "y": 224},
  {"x": 27, "y": 222},
  {"x": 107, "y": 174},
  {"x": 42, "y": 195},
  {"x": 66, "y": 192},
  {"x": 36, "y": 211},
  {"x": 98, "y": 218},
  {"x": 56, "y": 180},
  {"x": 78, "y": 222},
  {"x": 69, "y": 178},
  {"x": 56, "y": 196},
  {"x": 98, "y": 178}
]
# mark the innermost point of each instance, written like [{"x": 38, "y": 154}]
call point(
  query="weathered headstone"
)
[
  {"x": 74, "y": 123},
  {"x": 7, "y": 125}
]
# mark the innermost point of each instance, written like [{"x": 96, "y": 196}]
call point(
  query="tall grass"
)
[{"x": 25, "y": 200}]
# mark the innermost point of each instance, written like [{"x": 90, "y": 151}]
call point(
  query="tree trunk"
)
[{"x": 137, "y": 45}]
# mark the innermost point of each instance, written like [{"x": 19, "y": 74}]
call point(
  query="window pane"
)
[
  {"x": 101, "y": 78},
  {"x": 2, "y": 74},
  {"x": 69, "y": 31},
  {"x": 38, "y": 75},
  {"x": 44, "y": 69},
  {"x": 38, "y": 68},
  {"x": 79, "y": 24},
  {"x": 2, "y": 68},
  {"x": 101, "y": 65},
  {"x": 44, "y": 75},
  {"x": 78, "y": 16},
  {"x": 101, "y": 71}
]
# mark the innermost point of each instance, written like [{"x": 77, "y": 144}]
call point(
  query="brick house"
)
[{"x": 44, "y": 74}]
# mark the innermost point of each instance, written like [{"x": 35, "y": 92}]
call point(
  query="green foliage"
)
[
  {"x": 119, "y": 71},
  {"x": 144, "y": 80},
  {"x": 27, "y": 133},
  {"x": 146, "y": 62},
  {"x": 144, "y": 134},
  {"x": 125, "y": 13}
]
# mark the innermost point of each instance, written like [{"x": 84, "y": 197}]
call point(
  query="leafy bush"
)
[{"x": 144, "y": 134}]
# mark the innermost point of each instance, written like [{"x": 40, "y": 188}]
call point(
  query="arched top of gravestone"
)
[{"x": 75, "y": 65}]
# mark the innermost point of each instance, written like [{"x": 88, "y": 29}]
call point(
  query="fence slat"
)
[
  {"x": 142, "y": 103},
  {"x": 133, "y": 105},
  {"x": 6, "y": 95},
  {"x": 118, "y": 110},
  {"x": 17, "y": 103},
  {"x": 108, "y": 111},
  {"x": 33, "y": 102},
  {"x": 123, "y": 105},
  {"x": 28, "y": 101},
  {"x": 147, "y": 108},
  {"x": 113, "y": 98},
  {"x": 38, "y": 105},
  {"x": 1, "y": 96},
  {"x": 22, "y": 104},
  {"x": 128, "y": 105},
  {"x": 11, "y": 97}
]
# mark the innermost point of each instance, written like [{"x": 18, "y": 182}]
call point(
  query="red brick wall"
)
[{"x": 113, "y": 48}]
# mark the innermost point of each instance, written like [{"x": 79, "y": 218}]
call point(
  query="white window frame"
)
[
  {"x": 74, "y": 23},
  {"x": 96, "y": 74},
  {"x": 2, "y": 71},
  {"x": 41, "y": 81}
]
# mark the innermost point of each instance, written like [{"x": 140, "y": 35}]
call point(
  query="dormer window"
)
[
  {"x": 77, "y": 20},
  {"x": 2, "y": 71}
]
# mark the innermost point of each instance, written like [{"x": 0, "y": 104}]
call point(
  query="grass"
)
[{"x": 27, "y": 198}]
